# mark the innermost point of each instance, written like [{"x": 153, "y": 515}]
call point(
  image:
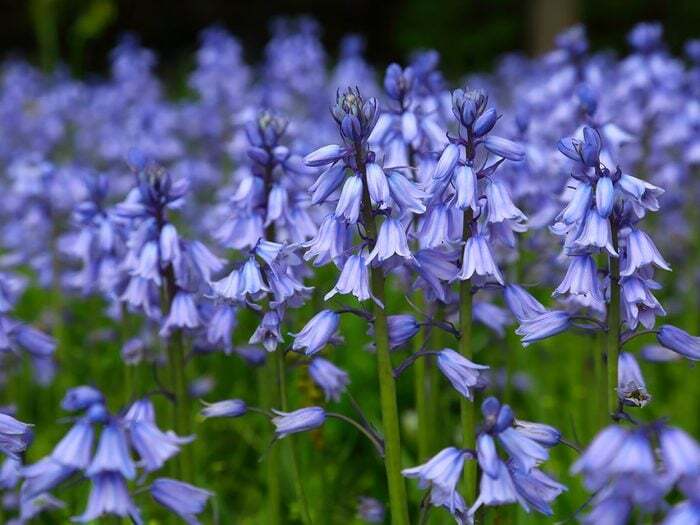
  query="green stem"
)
[
  {"x": 599, "y": 354},
  {"x": 387, "y": 386},
  {"x": 267, "y": 386},
  {"x": 181, "y": 409},
  {"x": 296, "y": 471},
  {"x": 613, "y": 322},
  {"x": 467, "y": 408},
  {"x": 419, "y": 369}
]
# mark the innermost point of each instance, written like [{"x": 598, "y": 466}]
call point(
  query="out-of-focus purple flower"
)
[
  {"x": 109, "y": 495},
  {"x": 185, "y": 500},
  {"x": 225, "y": 408},
  {"x": 300, "y": 420},
  {"x": 370, "y": 510},
  {"x": 402, "y": 328},
  {"x": 15, "y": 436},
  {"x": 680, "y": 453},
  {"x": 75, "y": 449},
  {"x": 112, "y": 455},
  {"x": 679, "y": 341},
  {"x": 80, "y": 398},
  {"x": 331, "y": 379}
]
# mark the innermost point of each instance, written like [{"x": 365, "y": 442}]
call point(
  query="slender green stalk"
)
[
  {"x": 467, "y": 408},
  {"x": 601, "y": 380},
  {"x": 419, "y": 377},
  {"x": 267, "y": 393},
  {"x": 613, "y": 322},
  {"x": 181, "y": 408},
  {"x": 296, "y": 471},
  {"x": 387, "y": 386}
]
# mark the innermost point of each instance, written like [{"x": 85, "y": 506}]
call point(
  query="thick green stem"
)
[
  {"x": 387, "y": 386},
  {"x": 613, "y": 335},
  {"x": 467, "y": 408},
  {"x": 419, "y": 376},
  {"x": 296, "y": 471}
]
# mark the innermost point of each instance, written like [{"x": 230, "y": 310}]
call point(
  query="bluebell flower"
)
[
  {"x": 225, "y": 408},
  {"x": 545, "y": 435},
  {"x": 268, "y": 331},
  {"x": 581, "y": 279},
  {"x": 183, "y": 314},
  {"x": 441, "y": 474},
  {"x": 478, "y": 260},
  {"x": 317, "y": 332},
  {"x": 185, "y": 500},
  {"x": 500, "y": 204},
  {"x": 378, "y": 186},
  {"x": 75, "y": 449},
  {"x": 325, "y": 155},
  {"x": 405, "y": 194},
  {"x": 221, "y": 325},
  {"x": 534, "y": 488},
  {"x": 604, "y": 196},
  {"x": 679, "y": 341},
  {"x": 300, "y": 420},
  {"x": 329, "y": 378},
  {"x": 447, "y": 162},
  {"x": 112, "y": 455},
  {"x": 542, "y": 326},
  {"x": 153, "y": 446},
  {"x": 595, "y": 234},
  {"x": 328, "y": 183},
  {"x": 330, "y": 241},
  {"x": 391, "y": 241},
  {"x": 631, "y": 388},
  {"x": 402, "y": 328},
  {"x": 466, "y": 188},
  {"x": 109, "y": 495},
  {"x": 521, "y": 303},
  {"x": 578, "y": 206},
  {"x": 348, "y": 206},
  {"x": 487, "y": 454},
  {"x": 463, "y": 374},
  {"x": 15, "y": 436},
  {"x": 353, "y": 279},
  {"x": 640, "y": 251},
  {"x": 638, "y": 303},
  {"x": 522, "y": 449},
  {"x": 495, "y": 490},
  {"x": 644, "y": 194}
]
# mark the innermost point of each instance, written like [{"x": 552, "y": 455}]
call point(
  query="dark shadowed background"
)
[{"x": 469, "y": 34}]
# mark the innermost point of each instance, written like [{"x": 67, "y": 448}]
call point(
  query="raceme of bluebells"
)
[{"x": 243, "y": 219}]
